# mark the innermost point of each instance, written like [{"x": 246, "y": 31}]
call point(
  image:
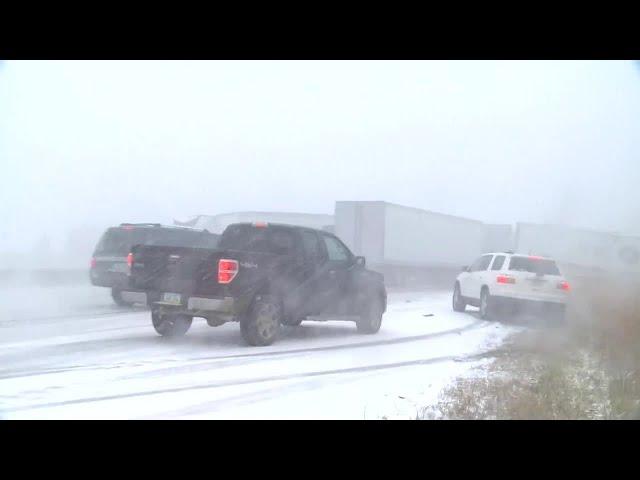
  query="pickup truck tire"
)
[
  {"x": 171, "y": 325},
  {"x": 261, "y": 325},
  {"x": 371, "y": 319},
  {"x": 117, "y": 297}
]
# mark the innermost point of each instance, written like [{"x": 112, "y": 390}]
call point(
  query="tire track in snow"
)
[
  {"x": 257, "y": 355},
  {"x": 72, "y": 316},
  {"x": 233, "y": 383}
]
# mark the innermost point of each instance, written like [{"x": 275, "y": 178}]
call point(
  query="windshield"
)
[{"x": 533, "y": 265}]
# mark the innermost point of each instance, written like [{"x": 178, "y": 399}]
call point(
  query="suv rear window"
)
[
  {"x": 118, "y": 241},
  {"x": 533, "y": 265},
  {"x": 276, "y": 240}
]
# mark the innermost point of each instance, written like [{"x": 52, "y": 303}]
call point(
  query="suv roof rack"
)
[{"x": 140, "y": 225}]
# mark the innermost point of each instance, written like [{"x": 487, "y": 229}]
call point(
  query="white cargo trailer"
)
[
  {"x": 498, "y": 238},
  {"x": 217, "y": 223},
  {"x": 579, "y": 248},
  {"x": 394, "y": 235}
]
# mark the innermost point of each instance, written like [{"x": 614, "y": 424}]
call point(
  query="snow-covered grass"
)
[
  {"x": 588, "y": 369},
  {"x": 521, "y": 385}
]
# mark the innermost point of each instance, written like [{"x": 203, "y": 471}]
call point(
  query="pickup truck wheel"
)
[
  {"x": 371, "y": 319},
  {"x": 169, "y": 325},
  {"x": 117, "y": 297},
  {"x": 260, "y": 327}
]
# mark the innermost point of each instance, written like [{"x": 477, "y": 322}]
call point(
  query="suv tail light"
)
[
  {"x": 93, "y": 262},
  {"x": 563, "y": 285},
  {"x": 505, "y": 279},
  {"x": 227, "y": 270},
  {"x": 130, "y": 261}
]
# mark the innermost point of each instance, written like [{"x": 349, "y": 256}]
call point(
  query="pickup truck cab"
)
[
  {"x": 262, "y": 276},
  {"x": 109, "y": 263}
]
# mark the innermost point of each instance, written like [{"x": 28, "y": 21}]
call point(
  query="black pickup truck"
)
[
  {"x": 109, "y": 264},
  {"x": 261, "y": 275}
]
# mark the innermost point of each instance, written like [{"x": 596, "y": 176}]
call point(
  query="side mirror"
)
[
  {"x": 360, "y": 261},
  {"x": 465, "y": 268}
]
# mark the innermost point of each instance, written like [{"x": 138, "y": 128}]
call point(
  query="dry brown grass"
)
[
  {"x": 589, "y": 369},
  {"x": 522, "y": 384}
]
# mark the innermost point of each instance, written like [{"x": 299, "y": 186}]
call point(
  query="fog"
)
[{"x": 84, "y": 145}]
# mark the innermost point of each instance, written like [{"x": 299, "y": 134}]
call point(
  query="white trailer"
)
[
  {"x": 217, "y": 223},
  {"x": 498, "y": 238},
  {"x": 394, "y": 235},
  {"x": 579, "y": 248}
]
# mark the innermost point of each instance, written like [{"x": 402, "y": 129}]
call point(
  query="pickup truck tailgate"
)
[
  {"x": 172, "y": 269},
  {"x": 194, "y": 271}
]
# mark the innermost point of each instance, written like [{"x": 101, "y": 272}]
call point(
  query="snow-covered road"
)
[{"x": 102, "y": 362}]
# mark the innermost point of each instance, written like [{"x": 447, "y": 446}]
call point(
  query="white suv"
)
[{"x": 499, "y": 280}]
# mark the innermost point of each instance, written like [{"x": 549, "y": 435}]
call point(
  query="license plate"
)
[
  {"x": 118, "y": 268},
  {"x": 173, "y": 298}
]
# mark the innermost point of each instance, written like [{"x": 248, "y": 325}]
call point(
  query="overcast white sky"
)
[{"x": 97, "y": 143}]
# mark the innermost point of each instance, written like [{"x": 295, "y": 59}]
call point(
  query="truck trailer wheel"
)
[
  {"x": 171, "y": 325},
  {"x": 117, "y": 297},
  {"x": 371, "y": 319},
  {"x": 261, "y": 325}
]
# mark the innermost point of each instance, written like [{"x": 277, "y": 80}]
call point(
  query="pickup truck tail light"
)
[
  {"x": 563, "y": 285},
  {"x": 227, "y": 270},
  {"x": 130, "y": 261},
  {"x": 505, "y": 279},
  {"x": 93, "y": 262}
]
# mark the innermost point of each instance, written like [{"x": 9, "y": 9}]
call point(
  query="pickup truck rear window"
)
[
  {"x": 256, "y": 239},
  {"x": 533, "y": 265}
]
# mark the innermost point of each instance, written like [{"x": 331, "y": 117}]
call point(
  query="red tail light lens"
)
[
  {"x": 260, "y": 224},
  {"x": 130, "y": 260},
  {"x": 564, "y": 285},
  {"x": 227, "y": 270},
  {"x": 505, "y": 279},
  {"x": 93, "y": 262}
]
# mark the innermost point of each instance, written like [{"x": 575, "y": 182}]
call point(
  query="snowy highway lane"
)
[{"x": 110, "y": 364}]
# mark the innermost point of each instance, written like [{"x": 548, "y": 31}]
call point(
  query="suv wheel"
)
[
  {"x": 171, "y": 325},
  {"x": 117, "y": 297},
  {"x": 260, "y": 327},
  {"x": 459, "y": 305},
  {"x": 485, "y": 304}
]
